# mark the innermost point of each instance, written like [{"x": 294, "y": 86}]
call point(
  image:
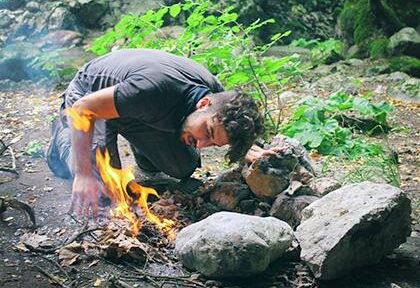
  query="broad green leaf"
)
[{"x": 175, "y": 10}]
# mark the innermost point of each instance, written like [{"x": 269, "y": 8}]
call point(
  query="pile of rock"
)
[
  {"x": 337, "y": 229},
  {"x": 279, "y": 185},
  {"x": 351, "y": 227}
]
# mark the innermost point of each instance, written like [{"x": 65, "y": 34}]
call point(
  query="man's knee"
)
[{"x": 180, "y": 170}]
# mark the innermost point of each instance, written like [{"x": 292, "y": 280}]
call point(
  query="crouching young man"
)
[{"x": 168, "y": 107}]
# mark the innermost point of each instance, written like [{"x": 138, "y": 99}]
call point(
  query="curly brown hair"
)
[{"x": 241, "y": 119}]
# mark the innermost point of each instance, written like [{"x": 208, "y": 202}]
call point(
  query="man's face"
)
[{"x": 202, "y": 129}]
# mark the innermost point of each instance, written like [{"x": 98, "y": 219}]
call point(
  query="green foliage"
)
[
  {"x": 55, "y": 66},
  {"x": 34, "y": 149},
  {"x": 327, "y": 51},
  {"x": 407, "y": 64},
  {"x": 378, "y": 48},
  {"x": 211, "y": 36},
  {"x": 362, "y": 21},
  {"x": 315, "y": 124},
  {"x": 301, "y": 42},
  {"x": 52, "y": 117}
]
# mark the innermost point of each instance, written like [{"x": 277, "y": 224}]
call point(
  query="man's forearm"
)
[{"x": 81, "y": 143}]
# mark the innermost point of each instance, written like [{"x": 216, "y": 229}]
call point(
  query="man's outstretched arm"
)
[{"x": 86, "y": 188}]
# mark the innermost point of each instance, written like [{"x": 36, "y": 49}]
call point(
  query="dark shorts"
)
[{"x": 154, "y": 150}]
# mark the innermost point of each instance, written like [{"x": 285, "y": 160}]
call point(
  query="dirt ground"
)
[{"x": 25, "y": 114}]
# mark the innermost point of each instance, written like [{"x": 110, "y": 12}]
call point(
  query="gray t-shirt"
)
[{"x": 152, "y": 87}]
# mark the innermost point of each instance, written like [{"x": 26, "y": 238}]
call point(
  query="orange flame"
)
[
  {"x": 117, "y": 181},
  {"x": 80, "y": 119}
]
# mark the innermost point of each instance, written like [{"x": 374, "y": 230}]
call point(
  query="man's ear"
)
[{"x": 204, "y": 102}]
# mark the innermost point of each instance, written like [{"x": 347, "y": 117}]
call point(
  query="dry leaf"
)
[
  {"x": 21, "y": 247},
  {"x": 97, "y": 283},
  {"x": 124, "y": 247},
  {"x": 116, "y": 243},
  {"x": 35, "y": 241},
  {"x": 69, "y": 254}
]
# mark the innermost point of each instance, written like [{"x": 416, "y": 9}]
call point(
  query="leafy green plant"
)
[
  {"x": 327, "y": 51},
  {"x": 317, "y": 124},
  {"x": 302, "y": 42},
  {"x": 211, "y": 36},
  {"x": 34, "y": 149}
]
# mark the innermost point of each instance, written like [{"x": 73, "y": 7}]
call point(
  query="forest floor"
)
[{"x": 26, "y": 113}]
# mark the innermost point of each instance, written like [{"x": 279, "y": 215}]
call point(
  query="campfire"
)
[{"x": 127, "y": 196}]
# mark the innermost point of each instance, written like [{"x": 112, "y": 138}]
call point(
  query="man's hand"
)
[
  {"x": 86, "y": 188},
  {"x": 85, "y": 195},
  {"x": 256, "y": 152}
]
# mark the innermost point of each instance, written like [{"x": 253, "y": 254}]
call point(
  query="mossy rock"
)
[
  {"x": 379, "y": 48},
  {"x": 363, "y": 21},
  {"x": 356, "y": 22},
  {"x": 405, "y": 42},
  {"x": 407, "y": 64}
]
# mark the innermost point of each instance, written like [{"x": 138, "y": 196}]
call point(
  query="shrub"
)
[
  {"x": 211, "y": 36},
  {"x": 316, "y": 125}
]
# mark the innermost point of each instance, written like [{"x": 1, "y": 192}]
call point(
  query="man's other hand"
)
[
  {"x": 85, "y": 195},
  {"x": 256, "y": 152}
]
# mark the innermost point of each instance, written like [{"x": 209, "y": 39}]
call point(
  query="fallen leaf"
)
[
  {"x": 97, "y": 283},
  {"x": 35, "y": 241},
  {"x": 21, "y": 247},
  {"x": 69, "y": 254}
]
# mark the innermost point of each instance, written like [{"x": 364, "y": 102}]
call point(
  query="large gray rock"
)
[
  {"x": 89, "y": 12},
  {"x": 5, "y": 19},
  {"x": 353, "y": 226},
  {"x": 228, "y": 244},
  {"x": 62, "y": 19},
  {"x": 324, "y": 185},
  {"x": 405, "y": 42}
]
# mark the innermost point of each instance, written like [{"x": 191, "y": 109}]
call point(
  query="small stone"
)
[
  {"x": 323, "y": 186},
  {"x": 264, "y": 206},
  {"x": 213, "y": 283},
  {"x": 289, "y": 209},
  {"x": 33, "y": 6},
  {"x": 248, "y": 205}
]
